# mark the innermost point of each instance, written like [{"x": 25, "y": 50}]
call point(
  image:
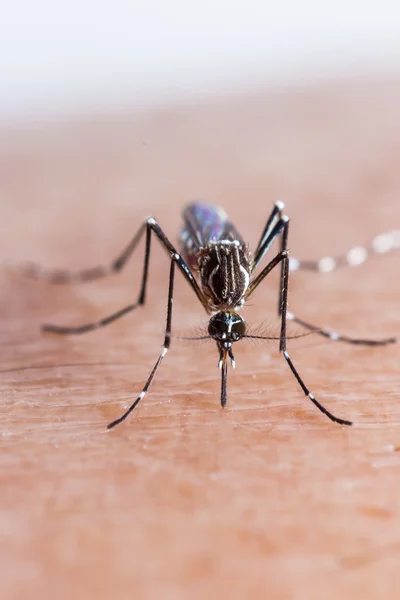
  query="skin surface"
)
[{"x": 268, "y": 498}]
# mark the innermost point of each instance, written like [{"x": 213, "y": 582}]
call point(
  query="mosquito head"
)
[{"x": 226, "y": 327}]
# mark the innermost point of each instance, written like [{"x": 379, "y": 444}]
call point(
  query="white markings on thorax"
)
[{"x": 228, "y": 267}]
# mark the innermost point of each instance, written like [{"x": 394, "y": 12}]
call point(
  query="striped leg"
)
[
  {"x": 381, "y": 244},
  {"x": 282, "y": 228},
  {"x": 282, "y": 345},
  {"x": 61, "y": 276},
  {"x": 166, "y": 346},
  {"x": 267, "y": 238},
  {"x": 149, "y": 226},
  {"x": 334, "y": 335}
]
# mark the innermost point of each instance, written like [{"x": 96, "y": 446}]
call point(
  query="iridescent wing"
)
[{"x": 206, "y": 223}]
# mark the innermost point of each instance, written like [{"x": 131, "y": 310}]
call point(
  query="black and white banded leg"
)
[
  {"x": 165, "y": 348},
  {"x": 338, "y": 337},
  {"x": 282, "y": 344},
  {"x": 150, "y": 226},
  {"x": 61, "y": 276},
  {"x": 275, "y": 216},
  {"x": 283, "y": 257},
  {"x": 272, "y": 229},
  {"x": 381, "y": 244}
]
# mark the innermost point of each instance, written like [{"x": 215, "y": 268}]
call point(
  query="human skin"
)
[{"x": 267, "y": 498}]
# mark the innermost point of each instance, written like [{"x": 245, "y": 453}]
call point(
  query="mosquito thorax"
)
[
  {"x": 224, "y": 269},
  {"x": 226, "y": 327}
]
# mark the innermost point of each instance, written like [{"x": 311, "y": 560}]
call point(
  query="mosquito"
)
[{"x": 223, "y": 274}]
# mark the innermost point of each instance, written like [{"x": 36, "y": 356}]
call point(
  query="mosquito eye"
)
[
  {"x": 238, "y": 330},
  {"x": 216, "y": 327}
]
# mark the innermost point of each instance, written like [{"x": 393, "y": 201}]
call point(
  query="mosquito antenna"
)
[
  {"x": 194, "y": 338},
  {"x": 277, "y": 337}
]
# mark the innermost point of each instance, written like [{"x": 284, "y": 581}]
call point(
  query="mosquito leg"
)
[
  {"x": 166, "y": 346},
  {"x": 151, "y": 226},
  {"x": 310, "y": 396},
  {"x": 381, "y": 244},
  {"x": 183, "y": 267},
  {"x": 261, "y": 276},
  {"x": 274, "y": 217},
  {"x": 282, "y": 256},
  {"x": 282, "y": 345},
  {"x": 334, "y": 335},
  {"x": 89, "y": 326},
  {"x": 61, "y": 276},
  {"x": 120, "y": 313},
  {"x": 268, "y": 240},
  {"x": 284, "y": 245}
]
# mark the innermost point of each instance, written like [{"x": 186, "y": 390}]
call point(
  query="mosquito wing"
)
[{"x": 204, "y": 223}]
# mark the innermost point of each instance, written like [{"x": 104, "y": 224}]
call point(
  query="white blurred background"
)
[{"x": 62, "y": 57}]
